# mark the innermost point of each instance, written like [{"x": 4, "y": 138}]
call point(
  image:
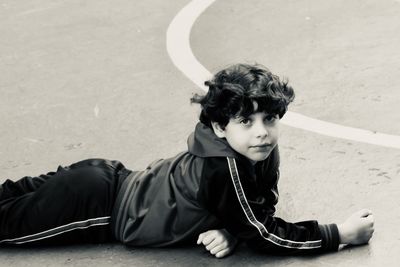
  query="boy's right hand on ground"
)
[
  {"x": 219, "y": 243},
  {"x": 357, "y": 229}
]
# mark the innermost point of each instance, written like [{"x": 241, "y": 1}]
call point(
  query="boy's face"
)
[{"x": 254, "y": 137}]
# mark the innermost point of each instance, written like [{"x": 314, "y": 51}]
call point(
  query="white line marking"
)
[
  {"x": 178, "y": 43},
  {"x": 180, "y": 52},
  {"x": 339, "y": 131}
]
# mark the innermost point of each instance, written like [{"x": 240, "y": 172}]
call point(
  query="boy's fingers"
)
[
  {"x": 217, "y": 249},
  {"x": 200, "y": 238},
  {"x": 208, "y": 239},
  {"x": 215, "y": 246},
  {"x": 371, "y": 220},
  {"x": 364, "y": 213},
  {"x": 371, "y": 232},
  {"x": 368, "y": 219},
  {"x": 223, "y": 253}
]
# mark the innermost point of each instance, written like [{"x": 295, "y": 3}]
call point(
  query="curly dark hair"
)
[{"x": 232, "y": 92}]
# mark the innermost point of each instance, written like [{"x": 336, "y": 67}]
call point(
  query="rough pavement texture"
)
[{"x": 85, "y": 79}]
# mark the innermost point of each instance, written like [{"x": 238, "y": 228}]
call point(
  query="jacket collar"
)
[{"x": 204, "y": 143}]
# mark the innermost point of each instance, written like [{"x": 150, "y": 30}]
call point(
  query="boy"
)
[{"x": 227, "y": 180}]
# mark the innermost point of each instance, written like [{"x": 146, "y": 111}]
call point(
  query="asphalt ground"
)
[{"x": 83, "y": 79}]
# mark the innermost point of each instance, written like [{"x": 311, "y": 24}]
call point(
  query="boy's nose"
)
[{"x": 261, "y": 131}]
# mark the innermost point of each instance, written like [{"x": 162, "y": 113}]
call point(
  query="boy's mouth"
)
[{"x": 261, "y": 145}]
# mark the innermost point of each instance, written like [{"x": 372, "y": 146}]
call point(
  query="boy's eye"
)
[
  {"x": 245, "y": 121},
  {"x": 270, "y": 117}
]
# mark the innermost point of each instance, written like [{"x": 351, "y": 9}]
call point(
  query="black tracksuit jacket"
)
[{"x": 211, "y": 186}]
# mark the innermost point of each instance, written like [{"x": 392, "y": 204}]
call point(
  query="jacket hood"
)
[{"x": 204, "y": 143}]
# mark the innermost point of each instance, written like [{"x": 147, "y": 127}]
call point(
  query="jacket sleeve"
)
[{"x": 236, "y": 203}]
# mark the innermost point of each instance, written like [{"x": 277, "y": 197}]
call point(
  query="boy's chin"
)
[{"x": 258, "y": 158}]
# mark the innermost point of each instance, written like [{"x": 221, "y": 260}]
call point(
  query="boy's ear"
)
[{"x": 218, "y": 129}]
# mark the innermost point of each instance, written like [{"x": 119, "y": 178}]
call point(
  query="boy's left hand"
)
[{"x": 219, "y": 243}]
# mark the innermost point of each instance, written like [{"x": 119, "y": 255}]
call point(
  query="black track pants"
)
[{"x": 72, "y": 205}]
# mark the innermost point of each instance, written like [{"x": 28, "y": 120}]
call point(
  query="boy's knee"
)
[
  {"x": 99, "y": 162},
  {"x": 89, "y": 178}
]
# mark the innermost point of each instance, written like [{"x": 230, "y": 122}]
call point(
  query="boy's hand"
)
[
  {"x": 357, "y": 229},
  {"x": 219, "y": 243}
]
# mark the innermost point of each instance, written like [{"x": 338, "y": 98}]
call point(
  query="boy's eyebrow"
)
[
  {"x": 265, "y": 113},
  {"x": 239, "y": 117},
  {"x": 242, "y": 116}
]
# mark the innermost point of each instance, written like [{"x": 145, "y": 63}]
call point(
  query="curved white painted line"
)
[
  {"x": 339, "y": 131},
  {"x": 178, "y": 43},
  {"x": 180, "y": 52}
]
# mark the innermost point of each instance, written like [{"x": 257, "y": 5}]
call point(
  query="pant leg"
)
[
  {"x": 73, "y": 206},
  {"x": 24, "y": 185}
]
